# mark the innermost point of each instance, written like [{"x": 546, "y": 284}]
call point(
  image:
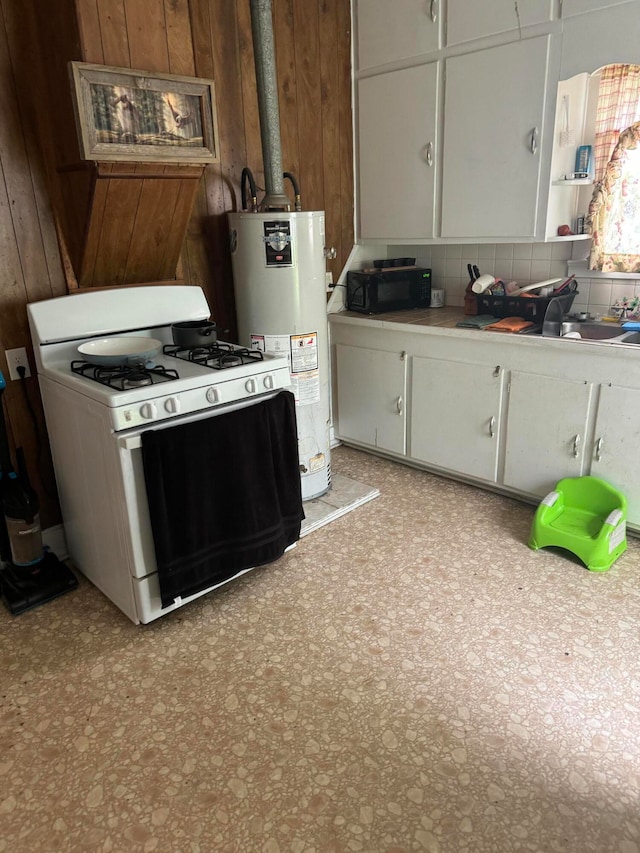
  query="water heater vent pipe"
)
[{"x": 264, "y": 53}]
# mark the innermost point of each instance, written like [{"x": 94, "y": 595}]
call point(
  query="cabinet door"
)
[
  {"x": 371, "y": 397},
  {"x": 455, "y": 416},
  {"x": 604, "y": 36},
  {"x": 546, "y": 427},
  {"x": 578, "y": 7},
  {"x": 394, "y": 31},
  {"x": 397, "y": 150},
  {"x": 493, "y": 113},
  {"x": 467, "y": 21},
  {"x": 616, "y": 440}
]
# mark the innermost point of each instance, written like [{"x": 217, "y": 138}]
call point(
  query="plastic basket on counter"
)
[{"x": 531, "y": 308}]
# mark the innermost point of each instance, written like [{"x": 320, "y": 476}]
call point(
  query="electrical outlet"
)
[{"x": 17, "y": 358}]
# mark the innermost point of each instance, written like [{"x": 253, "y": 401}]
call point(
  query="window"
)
[{"x": 614, "y": 212}]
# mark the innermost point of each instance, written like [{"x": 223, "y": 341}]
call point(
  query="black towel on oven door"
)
[{"x": 224, "y": 494}]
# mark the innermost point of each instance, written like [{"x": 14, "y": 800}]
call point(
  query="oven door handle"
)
[{"x": 130, "y": 442}]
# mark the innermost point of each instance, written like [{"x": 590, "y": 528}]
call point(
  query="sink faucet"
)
[{"x": 552, "y": 323}]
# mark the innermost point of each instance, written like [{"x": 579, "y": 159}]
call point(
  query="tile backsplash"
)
[{"x": 521, "y": 262}]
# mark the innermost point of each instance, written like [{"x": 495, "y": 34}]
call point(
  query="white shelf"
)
[
  {"x": 575, "y": 182},
  {"x": 581, "y": 270},
  {"x": 567, "y": 238}
]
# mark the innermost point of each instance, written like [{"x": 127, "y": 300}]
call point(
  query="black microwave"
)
[{"x": 375, "y": 291}]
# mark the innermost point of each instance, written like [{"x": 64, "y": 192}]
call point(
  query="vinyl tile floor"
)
[{"x": 411, "y": 677}]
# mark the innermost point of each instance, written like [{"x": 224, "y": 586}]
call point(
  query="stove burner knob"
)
[
  {"x": 268, "y": 381},
  {"x": 148, "y": 411},
  {"x": 172, "y": 405},
  {"x": 212, "y": 395},
  {"x": 250, "y": 385}
]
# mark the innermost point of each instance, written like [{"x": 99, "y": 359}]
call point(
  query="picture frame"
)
[{"x": 125, "y": 115}]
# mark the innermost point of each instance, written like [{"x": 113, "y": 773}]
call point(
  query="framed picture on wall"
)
[{"x": 126, "y": 115}]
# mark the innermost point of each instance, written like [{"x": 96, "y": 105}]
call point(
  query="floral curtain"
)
[
  {"x": 618, "y": 108},
  {"x": 614, "y": 212}
]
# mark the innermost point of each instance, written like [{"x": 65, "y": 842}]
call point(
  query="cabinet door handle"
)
[
  {"x": 433, "y": 10},
  {"x": 429, "y": 153},
  {"x": 534, "y": 140},
  {"x": 576, "y": 446},
  {"x": 399, "y": 405},
  {"x": 599, "y": 444},
  {"x": 492, "y": 424}
]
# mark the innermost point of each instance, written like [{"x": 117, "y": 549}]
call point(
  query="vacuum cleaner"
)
[{"x": 30, "y": 574}]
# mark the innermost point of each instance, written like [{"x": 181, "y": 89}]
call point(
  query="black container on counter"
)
[{"x": 529, "y": 307}]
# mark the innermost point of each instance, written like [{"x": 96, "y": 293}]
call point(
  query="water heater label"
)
[
  {"x": 277, "y": 244},
  {"x": 272, "y": 344},
  {"x": 304, "y": 352},
  {"x": 305, "y": 375}
]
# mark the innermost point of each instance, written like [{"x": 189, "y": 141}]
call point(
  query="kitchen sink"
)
[
  {"x": 631, "y": 338},
  {"x": 592, "y": 331}
]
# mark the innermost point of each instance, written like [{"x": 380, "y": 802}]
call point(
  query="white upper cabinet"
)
[
  {"x": 604, "y": 36},
  {"x": 467, "y": 20},
  {"x": 493, "y": 131},
  {"x": 578, "y": 7},
  {"x": 397, "y": 152},
  {"x": 389, "y": 31}
]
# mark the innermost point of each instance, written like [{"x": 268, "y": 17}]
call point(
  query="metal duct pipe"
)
[{"x": 265, "y": 60}]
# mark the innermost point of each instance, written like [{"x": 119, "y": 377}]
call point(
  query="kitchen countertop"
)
[
  {"x": 443, "y": 321},
  {"x": 445, "y": 317}
]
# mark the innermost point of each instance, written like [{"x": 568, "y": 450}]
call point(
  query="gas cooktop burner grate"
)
[
  {"x": 124, "y": 378},
  {"x": 218, "y": 356}
]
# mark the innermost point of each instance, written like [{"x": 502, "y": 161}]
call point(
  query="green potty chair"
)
[{"x": 585, "y": 515}]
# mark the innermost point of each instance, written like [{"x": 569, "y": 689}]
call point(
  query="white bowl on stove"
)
[{"x": 120, "y": 351}]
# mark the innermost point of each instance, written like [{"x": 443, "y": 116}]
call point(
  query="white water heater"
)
[{"x": 278, "y": 261}]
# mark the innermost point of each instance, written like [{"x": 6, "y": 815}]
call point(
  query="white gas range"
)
[{"x": 97, "y": 417}]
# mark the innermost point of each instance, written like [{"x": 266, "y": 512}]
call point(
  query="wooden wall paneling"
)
[
  {"x": 14, "y": 330},
  {"x": 19, "y": 184},
  {"x": 114, "y": 236},
  {"x": 284, "y": 34},
  {"x": 153, "y": 255},
  {"x": 122, "y": 202},
  {"x": 89, "y": 30},
  {"x": 86, "y": 261},
  {"x": 25, "y": 58},
  {"x": 153, "y": 217},
  {"x": 249, "y": 94},
  {"x": 306, "y": 20},
  {"x": 219, "y": 55},
  {"x": 344, "y": 172},
  {"x": 114, "y": 36},
  {"x": 201, "y": 38},
  {"x": 147, "y": 30},
  {"x": 179, "y": 41},
  {"x": 227, "y": 63},
  {"x": 72, "y": 211},
  {"x": 59, "y": 40},
  {"x": 330, "y": 85},
  {"x": 168, "y": 265}
]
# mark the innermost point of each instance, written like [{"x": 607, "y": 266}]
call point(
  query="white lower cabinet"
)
[
  {"x": 456, "y": 415},
  {"x": 546, "y": 431},
  {"x": 488, "y": 416},
  {"x": 616, "y": 442},
  {"x": 371, "y": 395}
]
